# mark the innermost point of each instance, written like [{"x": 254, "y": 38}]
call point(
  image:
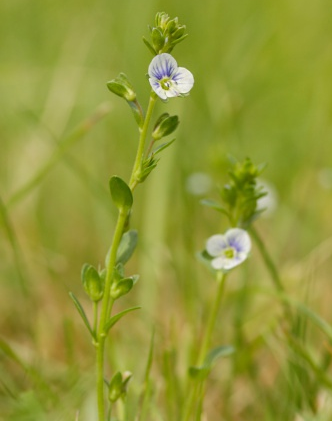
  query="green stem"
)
[
  {"x": 134, "y": 179},
  {"x": 271, "y": 268},
  {"x": 221, "y": 277},
  {"x": 196, "y": 391},
  {"x": 107, "y": 302},
  {"x": 105, "y": 312},
  {"x": 267, "y": 260}
]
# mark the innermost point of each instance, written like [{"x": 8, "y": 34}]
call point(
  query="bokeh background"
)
[{"x": 263, "y": 89}]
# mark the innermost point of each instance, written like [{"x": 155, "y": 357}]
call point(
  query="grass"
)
[{"x": 263, "y": 89}]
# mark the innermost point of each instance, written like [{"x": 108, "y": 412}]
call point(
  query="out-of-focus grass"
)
[{"x": 263, "y": 89}]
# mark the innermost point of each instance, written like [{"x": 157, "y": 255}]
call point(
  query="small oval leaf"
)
[
  {"x": 127, "y": 246},
  {"x": 121, "y": 193}
]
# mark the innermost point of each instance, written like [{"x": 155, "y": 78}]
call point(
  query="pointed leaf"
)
[
  {"x": 82, "y": 313},
  {"x": 121, "y": 193},
  {"x": 220, "y": 351},
  {"x": 111, "y": 322},
  {"x": 163, "y": 146},
  {"x": 214, "y": 205},
  {"x": 146, "y": 42},
  {"x": 127, "y": 246}
]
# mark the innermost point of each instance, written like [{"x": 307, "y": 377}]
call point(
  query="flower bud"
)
[
  {"x": 92, "y": 283},
  {"x": 122, "y": 87},
  {"x": 122, "y": 286},
  {"x": 118, "y": 385},
  {"x": 115, "y": 387},
  {"x": 165, "y": 125}
]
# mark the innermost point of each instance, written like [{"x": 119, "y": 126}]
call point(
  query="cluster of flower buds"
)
[
  {"x": 165, "y": 34},
  {"x": 242, "y": 193}
]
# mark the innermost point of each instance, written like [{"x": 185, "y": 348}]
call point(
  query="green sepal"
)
[
  {"x": 163, "y": 146},
  {"x": 121, "y": 193},
  {"x": 202, "y": 372},
  {"x": 127, "y": 246},
  {"x": 146, "y": 42},
  {"x": 176, "y": 41},
  {"x": 82, "y": 313},
  {"x": 158, "y": 39},
  {"x": 148, "y": 165},
  {"x": 115, "y": 387},
  {"x": 114, "y": 319},
  {"x": 121, "y": 287},
  {"x": 92, "y": 282}
]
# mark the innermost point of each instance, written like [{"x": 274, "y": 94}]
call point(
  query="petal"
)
[
  {"x": 184, "y": 80},
  {"x": 216, "y": 244},
  {"x": 163, "y": 65},
  {"x": 218, "y": 263},
  {"x": 239, "y": 239},
  {"x": 157, "y": 88}
]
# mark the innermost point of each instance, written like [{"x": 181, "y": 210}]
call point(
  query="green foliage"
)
[
  {"x": 114, "y": 319},
  {"x": 81, "y": 312},
  {"x": 127, "y": 246},
  {"x": 240, "y": 195},
  {"x": 121, "y": 194}
]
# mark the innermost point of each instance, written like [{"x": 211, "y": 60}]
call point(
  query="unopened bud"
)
[
  {"x": 165, "y": 125},
  {"x": 122, "y": 87}
]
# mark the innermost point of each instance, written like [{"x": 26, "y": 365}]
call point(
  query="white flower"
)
[
  {"x": 230, "y": 249},
  {"x": 167, "y": 79}
]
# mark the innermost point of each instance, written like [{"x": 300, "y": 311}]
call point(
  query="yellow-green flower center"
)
[
  {"x": 229, "y": 253},
  {"x": 165, "y": 83}
]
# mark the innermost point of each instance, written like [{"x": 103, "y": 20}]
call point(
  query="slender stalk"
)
[
  {"x": 141, "y": 144},
  {"x": 221, "y": 277},
  {"x": 271, "y": 268},
  {"x": 267, "y": 260},
  {"x": 105, "y": 312},
  {"x": 107, "y": 302},
  {"x": 197, "y": 388}
]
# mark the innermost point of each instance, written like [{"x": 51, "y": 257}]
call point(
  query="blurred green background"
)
[{"x": 263, "y": 89}]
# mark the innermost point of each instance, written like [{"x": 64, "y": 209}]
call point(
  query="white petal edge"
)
[
  {"x": 157, "y": 88},
  {"x": 162, "y": 65},
  {"x": 216, "y": 244},
  {"x": 184, "y": 80}
]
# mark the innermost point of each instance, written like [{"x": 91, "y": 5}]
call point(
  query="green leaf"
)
[
  {"x": 198, "y": 373},
  {"x": 220, "y": 351},
  {"x": 82, "y": 313},
  {"x": 146, "y": 42},
  {"x": 111, "y": 322},
  {"x": 115, "y": 387},
  {"x": 201, "y": 372},
  {"x": 163, "y": 146},
  {"x": 127, "y": 246},
  {"x": 214, "y": 205},
  {"x": 121, "y": 193}
]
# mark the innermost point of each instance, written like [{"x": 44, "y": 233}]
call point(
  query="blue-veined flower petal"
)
[
  {"x": 228, "y": 250},
  {"x": 238, "y": 239},
  {"x": 167, "y": 79},
  {"x": 162, "y": 66}
]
